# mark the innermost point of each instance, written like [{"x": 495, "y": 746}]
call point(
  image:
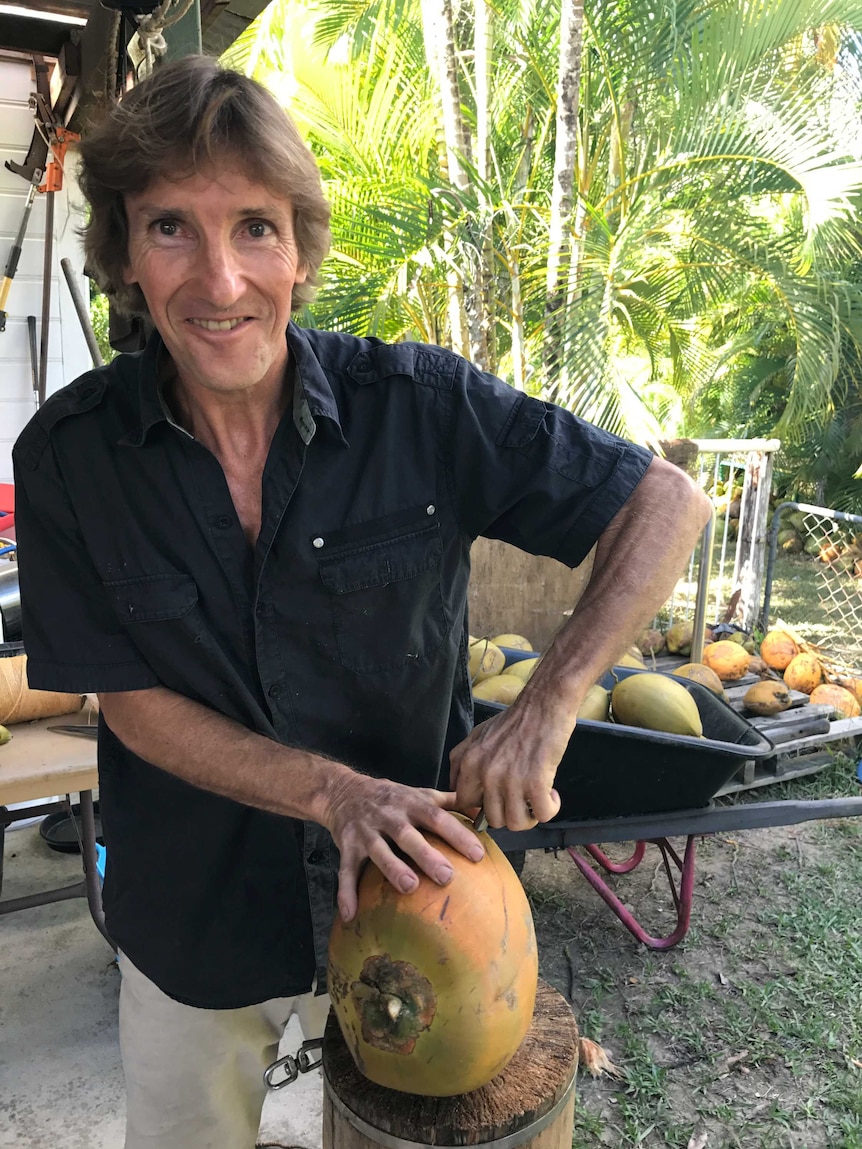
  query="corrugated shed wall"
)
[{"x": 67, "y": 350}]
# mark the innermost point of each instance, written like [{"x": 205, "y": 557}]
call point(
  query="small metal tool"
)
[
  {"x": 81, "y": 731},
  {"x": 480, "y": 822}
]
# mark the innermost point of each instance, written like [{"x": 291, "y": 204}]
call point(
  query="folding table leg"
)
[
  {"x": 92, "y": 881},
  {"x": 682, "y": 897}
]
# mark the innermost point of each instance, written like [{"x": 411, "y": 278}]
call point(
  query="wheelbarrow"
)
[
  {"x": 623, "y": 784},
  {"x": 562, "y": 834}
]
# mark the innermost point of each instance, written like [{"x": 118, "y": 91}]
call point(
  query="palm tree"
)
[
  {"x": 562, "y": 198},
  {"x": 717, "y": 166}
]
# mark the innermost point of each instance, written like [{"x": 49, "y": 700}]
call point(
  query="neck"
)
[{"x": 233, "y": 424}]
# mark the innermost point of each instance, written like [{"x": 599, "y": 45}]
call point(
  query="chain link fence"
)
[{"x": 815, "y": 564}]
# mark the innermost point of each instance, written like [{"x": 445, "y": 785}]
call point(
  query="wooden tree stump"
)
[{"x": 531, "y": 1103}]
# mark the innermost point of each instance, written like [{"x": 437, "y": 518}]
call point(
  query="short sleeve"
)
[
  {"x": 73, "y": 638},
  {"x": 533, "y": 474}
]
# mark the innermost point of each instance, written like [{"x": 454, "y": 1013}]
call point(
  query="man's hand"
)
[
  {"x": 367, "y": 817},
  {"x": 508, "y": 764},
  {"x": 373, "y": 818}
]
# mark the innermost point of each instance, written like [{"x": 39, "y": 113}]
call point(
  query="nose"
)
[{"x": 219, "y": 271}]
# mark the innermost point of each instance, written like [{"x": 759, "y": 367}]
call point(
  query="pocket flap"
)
[
  {"x": 153, "y": 598},
  {"x": 384, "y": 562}
]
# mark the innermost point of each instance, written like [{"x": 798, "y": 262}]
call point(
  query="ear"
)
[
  {"x": 301, "y": 274},
  {"x": 129, "y": 276}
]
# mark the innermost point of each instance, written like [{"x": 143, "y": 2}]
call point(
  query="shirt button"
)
[
  {"x": 274, "y": 691},
  {"x": 223, "y": 522},
  {"x": 318, "y": 542},
  {"x": 315, "y": 857},
  {"x": 430, "y": 509}
]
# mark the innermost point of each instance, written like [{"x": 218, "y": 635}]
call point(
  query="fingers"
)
[{"x": 400, "y": 850}]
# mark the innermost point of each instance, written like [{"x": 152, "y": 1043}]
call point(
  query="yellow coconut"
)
[
  {"x": 727, "y": 659},
  {"x": 651, "y": 642},
  {"x": 630, "y": 661},
  {"x": 513, "y": 641},
  {"x": 697, "y": 672},
  {"x": 486, "y": 660},
  {"x": 523, "y": 668},
  {"x": 854, "y": 685},
  {"x": 503, "y": 688},
  {"x": 837, "y": 697},
  {"x": 777, "y": 649},
  {"x": 804, "y": 672},
  {"x": 655, "y": 702},
  {"x": 596, "y": 704},
  {"x": 766, "y": 698},
  {"x": 678, "y": 638}
]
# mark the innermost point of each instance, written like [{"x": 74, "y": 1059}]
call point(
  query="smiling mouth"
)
[{"x": 218, "y": 324}]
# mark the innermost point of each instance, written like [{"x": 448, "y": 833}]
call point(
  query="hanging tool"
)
[
  {"x": 59, "y": 139},
  {"x": 34, "y": 354},
  {"x": 15, "y": 254},
  {"x": 46, "y": 177},
  {"x": 32, "y": 170}
]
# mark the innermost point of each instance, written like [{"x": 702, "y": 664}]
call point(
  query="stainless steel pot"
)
[{"x": 10, "y": 604}]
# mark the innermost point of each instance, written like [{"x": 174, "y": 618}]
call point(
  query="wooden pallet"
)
[{"x": 800, "y": 735}]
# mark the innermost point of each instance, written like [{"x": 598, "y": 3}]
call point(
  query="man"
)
[{"x": 255, "y": 548}]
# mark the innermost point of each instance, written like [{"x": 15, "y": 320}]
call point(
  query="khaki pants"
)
[{"x": 194, "y": 1077}]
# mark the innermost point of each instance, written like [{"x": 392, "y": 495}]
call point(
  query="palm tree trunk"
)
[
  {"x": 465, "y": 291},
  {"x": 519, "y": 343},
  {"x": 562, "y": 196},
  {"x": 483, "y": 36}
]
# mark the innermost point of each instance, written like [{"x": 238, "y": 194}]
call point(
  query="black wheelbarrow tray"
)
[{"x": 623, "y": 784}]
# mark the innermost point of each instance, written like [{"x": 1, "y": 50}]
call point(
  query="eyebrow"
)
[{"x": 154, "y": 210}]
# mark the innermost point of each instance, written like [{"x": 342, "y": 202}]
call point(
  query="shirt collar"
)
[{"x": 312, "y": 397}]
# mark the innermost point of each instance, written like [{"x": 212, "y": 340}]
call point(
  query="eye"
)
[
  {"x": 167, "y": 227},
  {"x": 259, "y": 228}
]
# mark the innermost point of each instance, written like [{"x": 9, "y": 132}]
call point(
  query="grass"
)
[{"x": 749, "y": 1031}]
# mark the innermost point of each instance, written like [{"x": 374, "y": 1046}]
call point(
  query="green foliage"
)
[
  {"x": 709, "y": 255},
  {"x": 99, "y": 322}
]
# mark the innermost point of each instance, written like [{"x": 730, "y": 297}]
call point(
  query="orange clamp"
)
[{"x": 60, "y": 140}]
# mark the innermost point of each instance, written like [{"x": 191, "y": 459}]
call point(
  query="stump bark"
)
[{"x": 531, "y": 1103}]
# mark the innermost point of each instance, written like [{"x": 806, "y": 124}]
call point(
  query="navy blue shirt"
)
[{"x": 343, "y": 631}]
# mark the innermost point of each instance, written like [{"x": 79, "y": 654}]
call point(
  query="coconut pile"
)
[{"x": 784, "y": 663}]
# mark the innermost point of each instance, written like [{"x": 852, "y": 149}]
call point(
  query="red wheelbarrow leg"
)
[
  {"x": 682, "y": 898},
  {"x": 625, "y": 867}
]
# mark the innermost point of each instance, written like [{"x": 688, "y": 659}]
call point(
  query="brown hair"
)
[{"x": 188, "y": 115}]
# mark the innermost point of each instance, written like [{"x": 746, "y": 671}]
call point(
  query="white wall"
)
[{"x": 67, "y": 350}]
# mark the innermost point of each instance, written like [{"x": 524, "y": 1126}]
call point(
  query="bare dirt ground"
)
[{"x": 748, "y": 1033}]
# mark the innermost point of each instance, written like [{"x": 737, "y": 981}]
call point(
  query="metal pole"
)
[
  {"x": 83, "y": 317},
  {"x": 702, "y": 589},
  {"x": 46, "y": 295}
]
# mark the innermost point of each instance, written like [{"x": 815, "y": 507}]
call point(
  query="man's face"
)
[{"x": 215, "y": 257}]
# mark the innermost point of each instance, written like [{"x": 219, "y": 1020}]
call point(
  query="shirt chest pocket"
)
[
  {"x": 152, "y": 598},
  {"x": 385, "y": 597}
]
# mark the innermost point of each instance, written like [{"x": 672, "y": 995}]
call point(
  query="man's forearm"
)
[
  {"x": 637, "y": 562},
  {"x": 215, "y": 753}
]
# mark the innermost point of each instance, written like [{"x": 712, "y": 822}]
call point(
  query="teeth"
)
[{"x": 216, "y": 324}]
